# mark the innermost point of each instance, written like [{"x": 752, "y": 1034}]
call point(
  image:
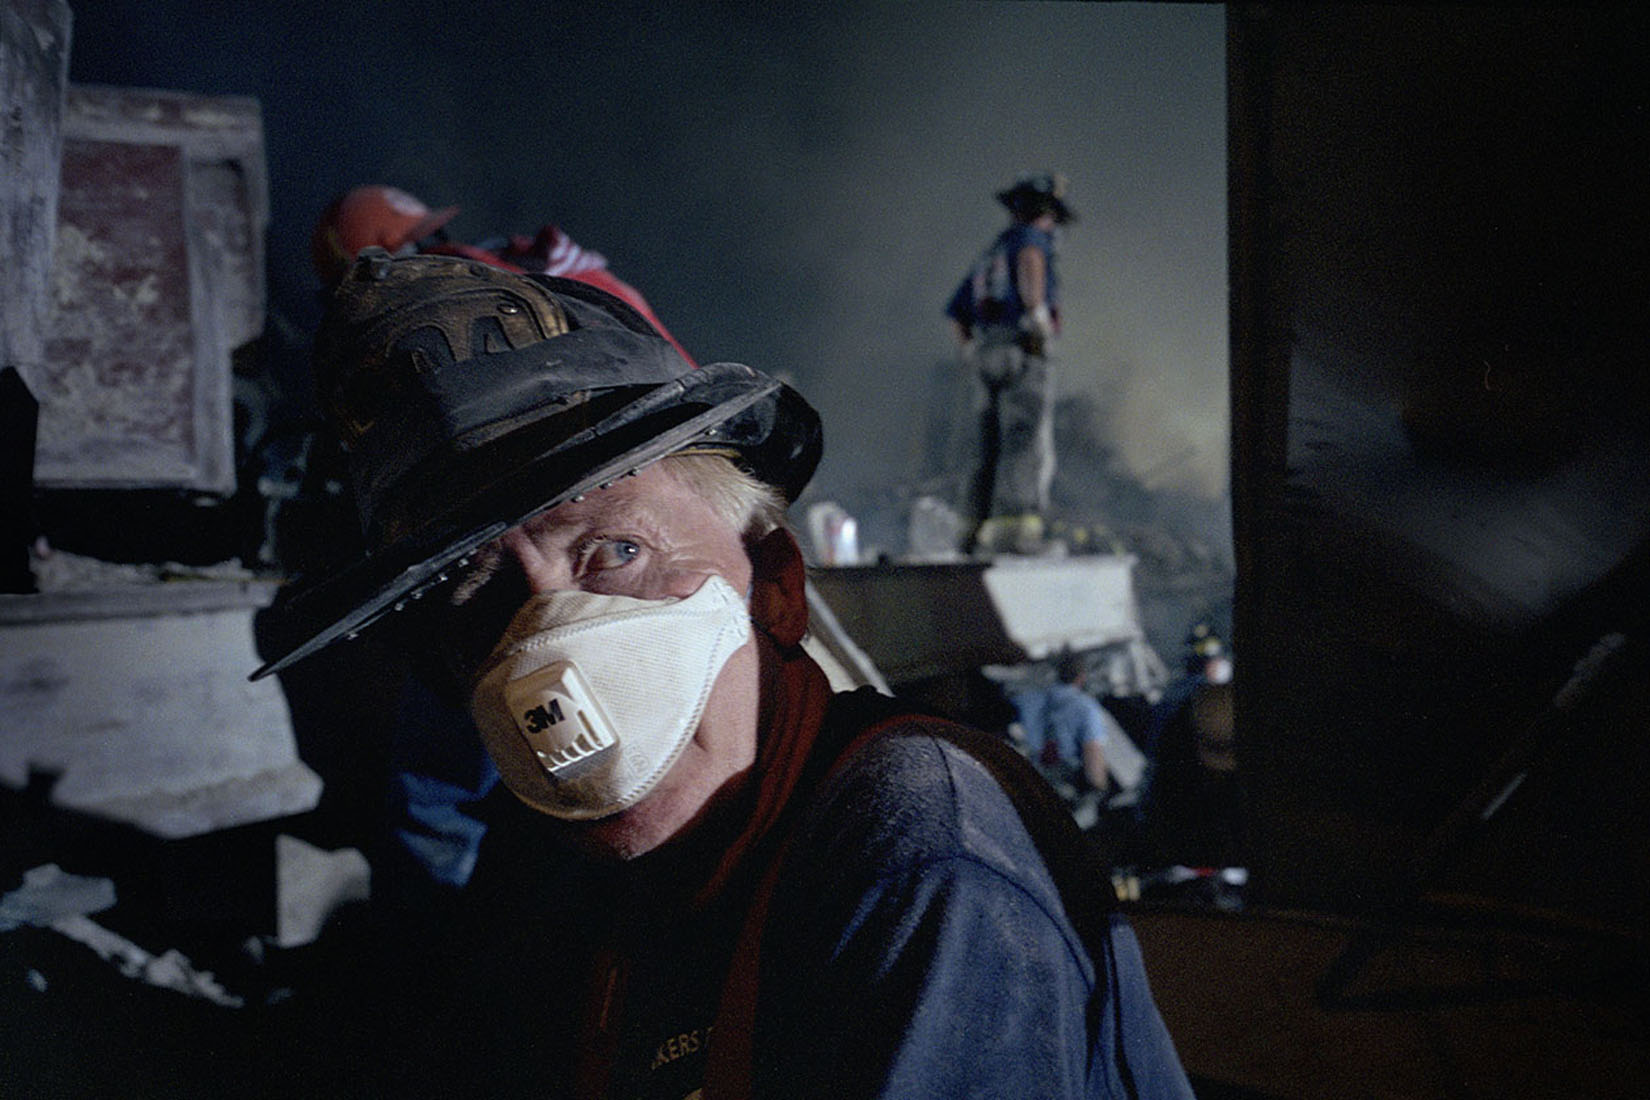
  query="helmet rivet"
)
[
  {"x": 508, "y": 307},
  {"x": 575, "y": 499}
]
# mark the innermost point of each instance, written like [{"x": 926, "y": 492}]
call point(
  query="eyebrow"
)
[
  {"x": 485, "y": 561},
  {"x": 639, "y": 514}
]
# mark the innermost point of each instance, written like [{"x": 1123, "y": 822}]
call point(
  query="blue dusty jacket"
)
[
  {"x": 918, "y": 946},
  {"x": 989, "y": 294},
  {"x": 913, "y": 942}
]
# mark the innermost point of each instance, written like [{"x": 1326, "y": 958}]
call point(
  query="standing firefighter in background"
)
[
  {"x": 1005, "y": 314},
  {"x": 778, "y": 891}
]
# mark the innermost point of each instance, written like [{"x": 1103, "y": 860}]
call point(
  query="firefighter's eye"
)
[{"x": 602, "y": 554}]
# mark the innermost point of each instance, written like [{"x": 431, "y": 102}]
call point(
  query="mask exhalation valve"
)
[{"x": 559, "y": 718}]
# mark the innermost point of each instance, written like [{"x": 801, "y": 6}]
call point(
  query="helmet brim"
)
[{"x": 722, "y": 406}]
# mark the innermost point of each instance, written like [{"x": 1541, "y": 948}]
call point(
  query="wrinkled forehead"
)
[
  {"x": 646, "y": 528},
  {"x": 653, "y": 499}
]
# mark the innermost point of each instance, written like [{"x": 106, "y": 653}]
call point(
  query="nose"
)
[{"x": 542, "y": 573}]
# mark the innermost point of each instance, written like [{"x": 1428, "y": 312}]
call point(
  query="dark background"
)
[{"x": 1441, "y": 427}]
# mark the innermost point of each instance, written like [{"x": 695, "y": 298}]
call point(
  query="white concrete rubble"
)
[{"x": 145, "y": 715}]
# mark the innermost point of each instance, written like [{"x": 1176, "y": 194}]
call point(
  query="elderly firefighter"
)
[{"x": 791, "y": 893}]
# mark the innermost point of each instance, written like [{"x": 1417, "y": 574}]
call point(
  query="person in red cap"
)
[
  {"x": 401, "y": 224},
  {"x": 373, "y": 214}
]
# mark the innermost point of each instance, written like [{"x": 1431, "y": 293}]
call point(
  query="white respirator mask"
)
[{"x": 588, "y": 700}]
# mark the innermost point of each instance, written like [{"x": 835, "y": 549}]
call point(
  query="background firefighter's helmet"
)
[
  {"x": 1207, "y": 655},
  {"x": 365, "y": 216},
  {"x": 470, "y": 398},
  {"x": 1034, "y": 195}
]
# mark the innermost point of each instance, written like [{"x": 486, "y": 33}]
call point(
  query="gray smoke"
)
[{"x": 794, "y": 185}]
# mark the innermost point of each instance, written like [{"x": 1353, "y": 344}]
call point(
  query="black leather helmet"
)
[
  {"x": 1034, "y": 195},
  {"x": 469, "y": 398}
]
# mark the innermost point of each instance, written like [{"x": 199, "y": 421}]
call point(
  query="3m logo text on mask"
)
[
  {"x": 550, "y": 697},
  {"x": 539, "y": 719}
]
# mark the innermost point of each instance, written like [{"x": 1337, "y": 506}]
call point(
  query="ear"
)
[{"x": 779, "y": 587}]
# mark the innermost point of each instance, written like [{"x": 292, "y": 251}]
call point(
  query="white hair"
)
[{"x": 751, "y": 507}]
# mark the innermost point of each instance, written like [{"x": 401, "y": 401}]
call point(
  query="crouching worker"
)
[{"x": 811, "y": 895}]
